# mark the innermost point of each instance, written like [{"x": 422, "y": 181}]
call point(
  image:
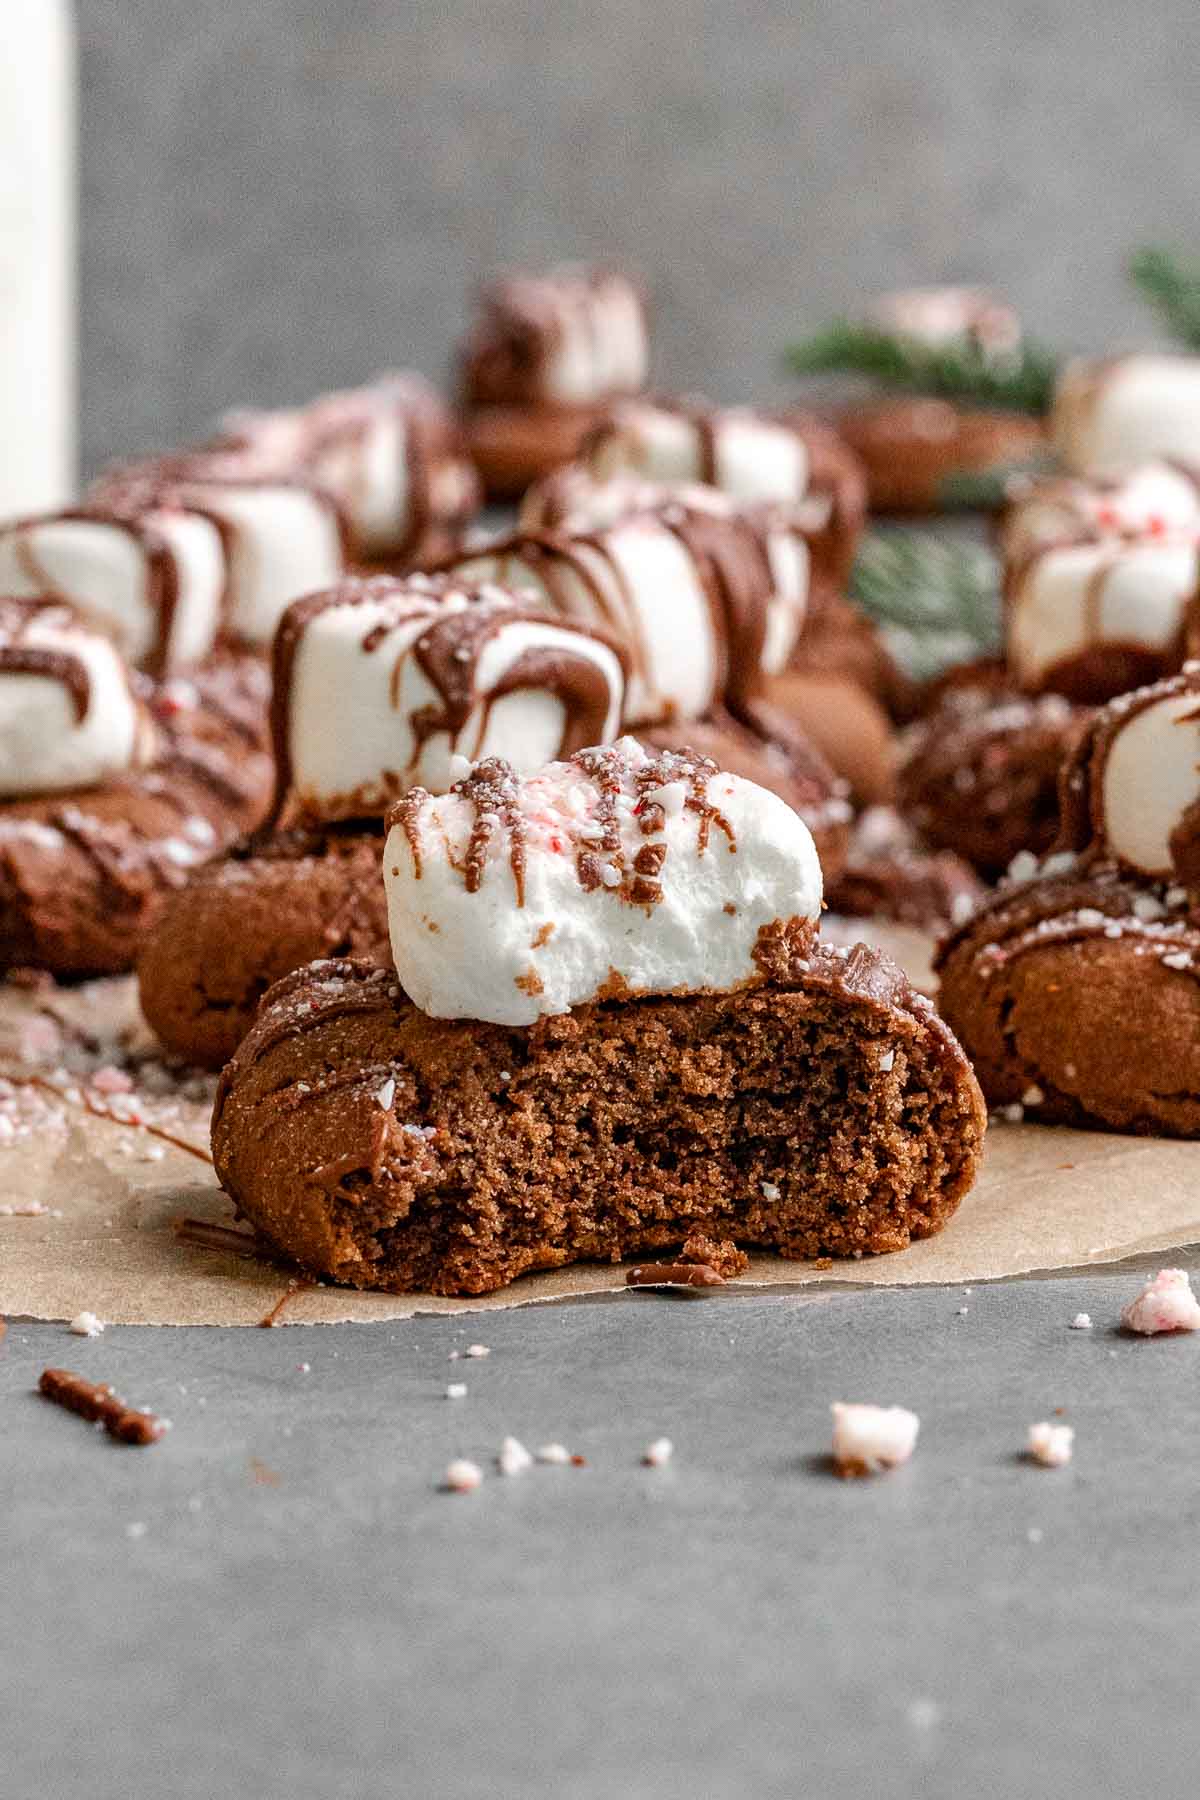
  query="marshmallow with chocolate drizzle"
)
[
  {"x": 571, "y": 337},
  {"x": 943, "y": 316},
  {"x": 68, "y": 716},
  {"x": 384, "y": 683},
  {"x": 149, "y": 573},
  {"x": 1095, "y": 618},
  {"x": 1153, "y": 499},
  {"x": 617, "y": 873},
  {"x": 1113, "y": 413},
  {"x": 388, "y": 452},
  {"x": 754, "y": 553},
  {"x": 745, "y": 453},
  {"x": 1131, "y": 792}
]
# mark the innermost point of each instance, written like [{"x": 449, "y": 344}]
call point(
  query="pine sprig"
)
[
  {"x": 1173, "y": 287},
  {"x": 1022, "y": 382},
  {"x": 936, "y": 599}
]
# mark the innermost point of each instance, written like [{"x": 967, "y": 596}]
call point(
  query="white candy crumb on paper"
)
[
  {"x": 477, "y": 1350},
  {"x": 86, "y": 1324},
  {"x": 924, "y": 1714},
  {"x": 1081, "y": 1322},
  {"x": 1165, "y": 1304},
  {"x": 514, "y": 1458},
  {"x": 1050, "y": 1445},
  {"x": 136, "y": 1528},
  {"x": 557, "y": 1454},
  {"x": 867, "y": 1439},
  {"x": 462, "y": 1477},
  {"x": 457, "y": 1390},
  {"x": 1035, "y": 1534},
  {"x": 658, "y": 1454}
]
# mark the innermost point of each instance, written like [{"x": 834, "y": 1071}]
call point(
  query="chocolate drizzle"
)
[{"x": 18, "y": 657}]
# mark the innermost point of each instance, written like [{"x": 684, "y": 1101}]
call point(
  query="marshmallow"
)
[
  {"x": 1155, "y": 498},
  {"x": 283, "y": 540},
  {"x": 388, "y": 453},
  {"x": 939, "y": 317},
  {"x": 1112, "y": 414},
  {"x": 760, "y": 561},
  {"x": 744, "y": 453},
  {"x": 68, "y": 717},
  {"x": 427, "y": 674},
  {"x": 639, "y": 582},
  {"x": 1115, "y": 594},
  {"x": 572, "y": 337},
  {"x": 152, "y": 577},
  {"x": 615, "y": 873},
  {"x": 1149, "y": 777},
  {"x": 1165, "y": 1304}
]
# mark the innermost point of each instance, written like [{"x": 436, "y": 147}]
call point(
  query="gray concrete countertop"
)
[{"x": 277, "y": 1600}]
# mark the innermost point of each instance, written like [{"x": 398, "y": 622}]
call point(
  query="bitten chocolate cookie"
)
[
  {"x": 1077, "y": 993},
  {"x": 980, "y": 773},
  {"x": 99, "y": 825}
]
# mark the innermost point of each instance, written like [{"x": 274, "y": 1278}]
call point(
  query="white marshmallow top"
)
[
  {"x": 1150, "y": 778},
  {"x": 566, "y": 918},
  {"x": 637, "y": 580},
  {"x": 575, "y": 502},
  {"x": 1111, "y": 415},
  {"x": 284, "y": 541},
  {"x": 56, "y": 733},
  {"x": 1150, "y": 500},
  {"x": 939, "y": 316},
  {"x": 360, "y": 698},
  {"x": 1075, "y": 597},
  {"x": 115, "y": 573},
  {"x": 755, "y": 457}
]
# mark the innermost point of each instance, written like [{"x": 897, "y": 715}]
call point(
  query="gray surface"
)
[
  {"x": 739, "y": 1624},
  {"x": 286, "y": 194}
]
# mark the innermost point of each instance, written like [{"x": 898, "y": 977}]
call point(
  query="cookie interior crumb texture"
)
[{"x": 610, "y": 1132}]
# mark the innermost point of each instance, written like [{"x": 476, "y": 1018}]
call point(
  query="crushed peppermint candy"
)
[
  {"x": 86, "y": 1324},
  {"x": 457, "y": 1390},
  {"x": 462, "y": 1477},
  {"x": 556, "y": 1454},
  {"x": 1081, "y": 1322},
  {"x": 386, "y": 1094},
  {"x": 658, "y": 1454},
  {"x": 477, "y": 1350},
  {"x": 769, "y": 1191},
  {"x": 1050, "y": 1445},
  {"x": 868, "y": 1439},
  {"x": 1165, "y": 1304},
  {"x": 514, "y": 1458}
]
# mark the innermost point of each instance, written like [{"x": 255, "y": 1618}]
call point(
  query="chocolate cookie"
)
[
  {"x": 827, "y": 1112},
  {"x": 84, "y": 874},
  {"x": 912, "y": 448},
  {"x": 980, "y": 773},
  {"x": 275, "y": 902},
  {"x": 889, "y": 874}
]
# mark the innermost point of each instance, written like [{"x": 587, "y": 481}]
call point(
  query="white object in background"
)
[{"x": 37, "y": 256}]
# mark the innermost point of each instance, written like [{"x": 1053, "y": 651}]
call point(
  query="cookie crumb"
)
[
  {"x": 1165, "y": 1304},
  {"x": 462, "y": 1477},
  {"x": 868, "y": 1439},
  {"x": 721, "y": 1254},
  {"x": 1050, "y": 1445}
]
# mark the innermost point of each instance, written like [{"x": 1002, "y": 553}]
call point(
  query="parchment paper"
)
[{"x": 113, "y": 1192}]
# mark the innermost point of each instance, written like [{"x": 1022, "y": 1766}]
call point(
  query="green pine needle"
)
[
  {"x": 1174, "y": 288},
  {"x": 937, "y": 599},
  {"x": 1023, "y": 382}
]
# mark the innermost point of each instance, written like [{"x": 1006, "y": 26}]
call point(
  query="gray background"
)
[
  {"x": 283, "y": 194},
  {"x": 305, "y": 1617}
]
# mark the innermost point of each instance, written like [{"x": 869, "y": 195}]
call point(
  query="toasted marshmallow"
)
[
  {"x": 943, "y": 316},
  {"x": 1112, "y": 414},
  {"x": 1116, "y": 595},
  {"x": 152, "y": 578},
  {"x": 387, "y": 452},
  {"x": 1154, "y": 499},
  {"x": 429, "y": 676},
  {"x": 638, "y": 581},
  {"x": 572, "y": 337},
  {"x": 742, "y": 452},
  {"x": 68, "y": 717},
  {"x": 1149, "y": 775},
  {"x": 614, "y": 874},
  {"x": 760, "y": 559}
]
